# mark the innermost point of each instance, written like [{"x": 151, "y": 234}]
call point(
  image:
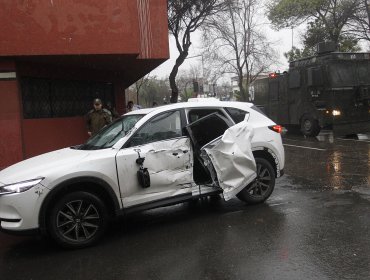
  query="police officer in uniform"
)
[{"x": 97, "y": 118}]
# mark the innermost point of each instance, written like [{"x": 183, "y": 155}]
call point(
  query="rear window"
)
[
  {"x": 236, "y": 114},
  {"x": 196, "y": 114},
  {"x": 259, "y": 109},
  {"x": 207, "y": 129}
]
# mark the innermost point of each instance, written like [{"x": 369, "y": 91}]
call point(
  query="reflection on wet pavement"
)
[{"x": 327, "y": 162}]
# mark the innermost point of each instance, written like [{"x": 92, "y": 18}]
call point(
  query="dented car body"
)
[{"x": 149, "y": 158}]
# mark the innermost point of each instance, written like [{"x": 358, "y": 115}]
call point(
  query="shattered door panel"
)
[
  {"x": 232, "y": 159},
  {"x": 169, "y": 163},
  {"x": 225, "y": 150}
]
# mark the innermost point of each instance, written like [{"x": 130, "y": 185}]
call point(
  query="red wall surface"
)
[
  {"x": 10, "y": 124},
  {"x": 45, "y": 135},
  {"x": 61, "y": 27},
  {"x": 117, "y": 41}
]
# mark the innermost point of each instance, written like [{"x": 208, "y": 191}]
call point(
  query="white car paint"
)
[{"x": 66, "y": 164}]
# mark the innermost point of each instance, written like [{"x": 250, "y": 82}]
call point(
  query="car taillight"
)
[{"x": 276, "y": 128}]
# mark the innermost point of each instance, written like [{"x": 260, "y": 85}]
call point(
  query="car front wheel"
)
[
  {"x": 77, "y": 220},
  {"x": 261, "y": 188}
]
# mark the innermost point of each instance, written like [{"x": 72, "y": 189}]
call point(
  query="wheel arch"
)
[
  {"x": 92, "y": 185},
  {"x": 270, "y": 157}
]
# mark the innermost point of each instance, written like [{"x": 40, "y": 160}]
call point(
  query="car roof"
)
[{"x": 194, "y": 104}]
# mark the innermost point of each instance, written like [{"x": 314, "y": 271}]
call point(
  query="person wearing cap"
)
[{"x": 97, "y": 118}]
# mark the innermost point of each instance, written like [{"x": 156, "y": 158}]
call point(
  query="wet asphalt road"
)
[{"x": 316, "y": 225}]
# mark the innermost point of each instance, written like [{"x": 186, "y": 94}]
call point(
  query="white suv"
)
[{"x": 148, "y": 158}]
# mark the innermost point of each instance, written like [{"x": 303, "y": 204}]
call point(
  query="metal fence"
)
[{"x": 47, "y": 98}]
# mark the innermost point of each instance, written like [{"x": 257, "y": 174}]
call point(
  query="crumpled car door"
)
[{"x": 225, "y": 150}]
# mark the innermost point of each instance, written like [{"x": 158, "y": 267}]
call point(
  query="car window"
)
[
  {"x": 162, "y": 127},
  {"x": 110, "y": 134},
  {"x": 236, "y": 114},
  {"x": 207, "y": 129},
  {"x": 196, "y": 114}
]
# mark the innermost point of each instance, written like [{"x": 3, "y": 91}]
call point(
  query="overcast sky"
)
[{"x": 282, "y": 39}]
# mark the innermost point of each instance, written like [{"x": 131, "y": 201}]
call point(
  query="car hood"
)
[{"x": 41, "y": 166}]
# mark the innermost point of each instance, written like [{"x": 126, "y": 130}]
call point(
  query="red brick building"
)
[{"x": 57, "y": 55}]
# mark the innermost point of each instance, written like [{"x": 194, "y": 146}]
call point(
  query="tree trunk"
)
[
  {"x": 241, "y": 85},
  {"x": 367, "y": 4},
  {"x": 175, "y": 90}
]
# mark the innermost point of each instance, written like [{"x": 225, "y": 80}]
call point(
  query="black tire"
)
[
  {"x": 309, "y": 126},
  {"x": 77, "y": 220},
  {"x": 261, "y": 188}
]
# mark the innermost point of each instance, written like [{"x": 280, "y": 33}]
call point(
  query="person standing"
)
[
  {"x": 112, "y": 110},
  {"x": 97, "y": 118},
  {"x": 130, "y": 106}
]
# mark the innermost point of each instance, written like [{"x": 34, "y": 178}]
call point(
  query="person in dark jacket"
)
[
  {"x": 97, "y": 118},
  {"x": 112, "y": 110}
]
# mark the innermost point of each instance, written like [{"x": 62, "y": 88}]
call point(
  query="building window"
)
[{"x": 46, "y": 98}]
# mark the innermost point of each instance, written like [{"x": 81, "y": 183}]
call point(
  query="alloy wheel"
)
[
  {"x": 262, "y": 183},
  {"x": 78, "y": 220}
]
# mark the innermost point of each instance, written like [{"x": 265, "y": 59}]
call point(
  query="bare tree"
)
[
  {"x": 140, "y": 84},
  {"x": 360, "y": 23},
  {"x": 234, "y": 39},
  {"x": 185, "y": 17}
]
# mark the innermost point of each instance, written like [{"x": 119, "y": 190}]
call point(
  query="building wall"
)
[
  {"x": 62, "y": 27},
  {"x": 44, "y": 135},
  {"x": 88, "y": 40},
  {"x": 11, "y": 149}
]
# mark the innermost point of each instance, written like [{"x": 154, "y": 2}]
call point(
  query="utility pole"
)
[
  {"x": 199, "y": 55},
  {"x": 292, "y": 37}
]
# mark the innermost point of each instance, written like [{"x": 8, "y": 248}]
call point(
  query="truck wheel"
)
[
  {"x": 77, "y": 220},
  {"x": 261, "y": 188},
  {"x": 309, "y": 126}
]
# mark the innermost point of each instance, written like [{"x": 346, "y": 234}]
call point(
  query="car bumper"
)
[
  {"x": 282, "y": 172},
  {"x": 20, "y": 212},
  {"x": 27, "y": 232}
]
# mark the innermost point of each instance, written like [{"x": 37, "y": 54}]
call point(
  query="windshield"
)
[{"x": 110, "y": 134}]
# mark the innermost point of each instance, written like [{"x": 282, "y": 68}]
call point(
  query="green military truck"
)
[{"x": 328, "y": 90}]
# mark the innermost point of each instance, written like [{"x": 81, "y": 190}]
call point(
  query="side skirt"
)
[{"x": 166, "y": 202}]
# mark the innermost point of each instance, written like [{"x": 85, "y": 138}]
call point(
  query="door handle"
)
[{"x": 175, "y": 154}]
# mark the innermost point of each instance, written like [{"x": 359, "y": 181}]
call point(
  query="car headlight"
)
[
  {"x": 336, "y": 113},
  {"x": 20, "y": 186}
]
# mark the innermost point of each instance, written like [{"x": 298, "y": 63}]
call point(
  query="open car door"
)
[{"x": 225, "y": 150}]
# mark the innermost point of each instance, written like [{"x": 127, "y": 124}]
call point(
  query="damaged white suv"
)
[{"x": 149, "y": 158}]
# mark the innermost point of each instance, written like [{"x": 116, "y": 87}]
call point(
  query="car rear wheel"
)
[
  {"x": 261, "y": 188},
  {"x": 77, "y": 220}
]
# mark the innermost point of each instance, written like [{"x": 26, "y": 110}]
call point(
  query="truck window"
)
[
  {"x": 274, "y": 91},
  {"x": 363, "y": 70},
  {"x": 341, "y": 74},
  {"x": 314, "y": 76},
  {"x": 294, "y": 79}
]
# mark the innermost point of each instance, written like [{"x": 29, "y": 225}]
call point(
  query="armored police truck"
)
[{"x": 328, "y": 90}]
